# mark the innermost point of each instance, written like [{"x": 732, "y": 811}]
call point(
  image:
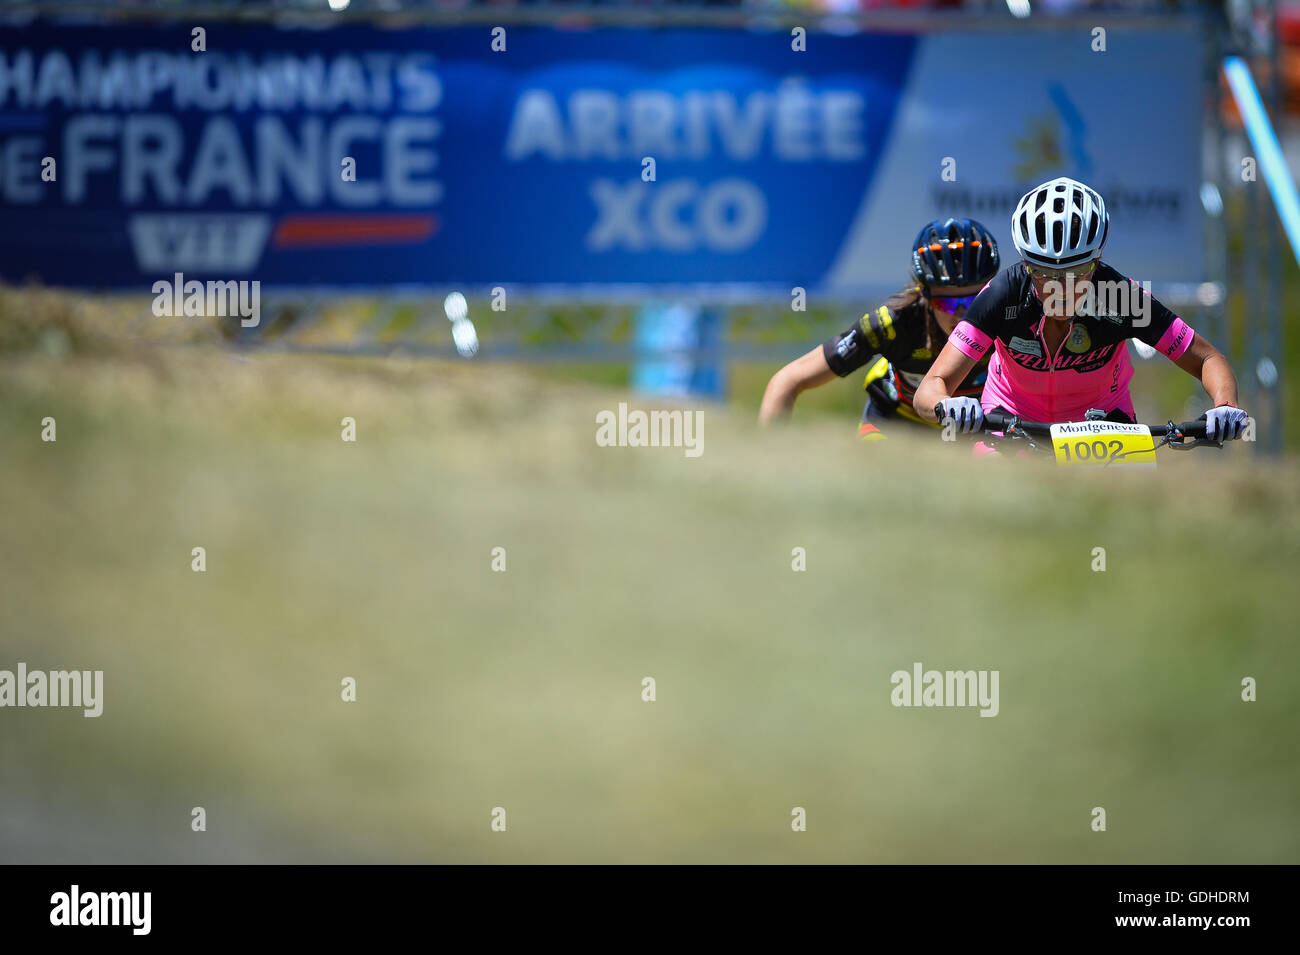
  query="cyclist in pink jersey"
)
[{"x": 1058, "y": 325}]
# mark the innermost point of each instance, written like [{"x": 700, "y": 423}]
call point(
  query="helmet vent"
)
[
  {"x": 955, "y": 252},
  {"x": 1059, "y": 223}
]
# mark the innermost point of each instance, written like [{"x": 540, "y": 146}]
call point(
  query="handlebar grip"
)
[
  {"x": 1193, "y": 429},
  {"x": 993, "y": 420},
  {"x": 997, "y": 421}
]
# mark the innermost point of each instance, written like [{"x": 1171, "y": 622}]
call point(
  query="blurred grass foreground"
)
[{"x": 522, "y": 688}]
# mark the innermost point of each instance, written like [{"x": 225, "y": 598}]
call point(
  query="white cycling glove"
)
[
  {"x": 965, "y": 411},
  {"x": 1224, "y": 423}
]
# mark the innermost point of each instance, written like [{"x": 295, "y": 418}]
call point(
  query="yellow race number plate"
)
[{"x": 1103, "y": 444}]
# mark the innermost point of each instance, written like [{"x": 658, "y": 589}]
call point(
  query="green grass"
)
[{"x": 523, "y": 689}]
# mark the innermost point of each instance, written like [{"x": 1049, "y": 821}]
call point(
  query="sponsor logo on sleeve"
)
[
  {"x": 1177, "y": 341},
  {"x": 965, "y": 338}
]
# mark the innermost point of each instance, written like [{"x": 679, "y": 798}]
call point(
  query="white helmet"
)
[{"x": 1059, "y": 224}]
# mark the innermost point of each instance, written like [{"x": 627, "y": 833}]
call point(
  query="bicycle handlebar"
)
[{"x": 998, "y": 421}]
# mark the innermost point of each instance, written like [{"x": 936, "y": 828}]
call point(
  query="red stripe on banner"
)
[{"x": 316, "y": 230}]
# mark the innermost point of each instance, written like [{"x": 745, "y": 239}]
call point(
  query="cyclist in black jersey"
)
[{"x": 951, "y": 261}]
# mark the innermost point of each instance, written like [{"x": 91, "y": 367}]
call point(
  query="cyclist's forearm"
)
[
  {"x": 778, "y": 399},
  {"x": 806, "y": 371},
  {"x": 1218, "y": 380},
  {"x": 929, "y": 393},
  {"x": 946, "y": 374},
  {"x": 1208, "y": 365}
]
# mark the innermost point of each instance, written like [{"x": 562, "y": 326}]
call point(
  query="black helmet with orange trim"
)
[{"x": 951, "y": 253}]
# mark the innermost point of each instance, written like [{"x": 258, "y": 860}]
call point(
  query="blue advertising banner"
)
[
  {"x": 471, "y": 166},
  {"x": 369, "y": 157}
]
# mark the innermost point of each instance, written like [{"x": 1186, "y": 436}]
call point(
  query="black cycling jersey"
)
[{"x": 900, "y": 336}]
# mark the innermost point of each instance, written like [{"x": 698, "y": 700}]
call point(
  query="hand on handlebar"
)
[
  {"x": 1224, "y": 423},
  {"x": 966, "y": 412}
]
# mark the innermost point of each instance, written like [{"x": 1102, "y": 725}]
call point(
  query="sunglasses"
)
[
  {"x": 1060, "y": 274},
  {"x": 950, "y": 305}
]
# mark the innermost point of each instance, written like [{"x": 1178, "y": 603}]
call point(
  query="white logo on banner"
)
[{"x": 178, "y": 241}]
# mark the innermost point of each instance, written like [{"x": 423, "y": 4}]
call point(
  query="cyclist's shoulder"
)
[
  {"x": 1000, "y": 299},
  {"x": 1107, "y": 271},
  {"x": 901, "y": 309},
  {"x": 1127, "y": 302},
  {"x": 1007, "y": 286},
  {"x": 888, "y": 320}
]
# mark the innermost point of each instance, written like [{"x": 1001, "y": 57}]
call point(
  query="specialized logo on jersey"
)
[
  {"x": 969, "y": 341},
  {"x": 846, "y": 346},
  {"x": 1079, "y": 341},
  {"x": 1172, "y": 348},
  {"x": 1089, "y": 361}
]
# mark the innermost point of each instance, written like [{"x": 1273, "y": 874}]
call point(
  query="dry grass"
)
[{"x": 522, "y": 689}]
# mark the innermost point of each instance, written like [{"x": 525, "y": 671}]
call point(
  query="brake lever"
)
[
  {"x": 1181, "y": 443},
  {"x": 1012, "y": 431}
]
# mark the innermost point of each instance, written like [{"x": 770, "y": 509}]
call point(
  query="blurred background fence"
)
[{"x": 666, "y": 192}]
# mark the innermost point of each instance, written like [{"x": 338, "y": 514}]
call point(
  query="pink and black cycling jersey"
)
[{"x": 1091, "y": 368}]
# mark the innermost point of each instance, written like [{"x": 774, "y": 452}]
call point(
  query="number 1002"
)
[{"x": 1098, "y": 450}]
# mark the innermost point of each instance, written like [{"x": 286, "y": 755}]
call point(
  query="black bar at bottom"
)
[{"x": 381, "y": 903}]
